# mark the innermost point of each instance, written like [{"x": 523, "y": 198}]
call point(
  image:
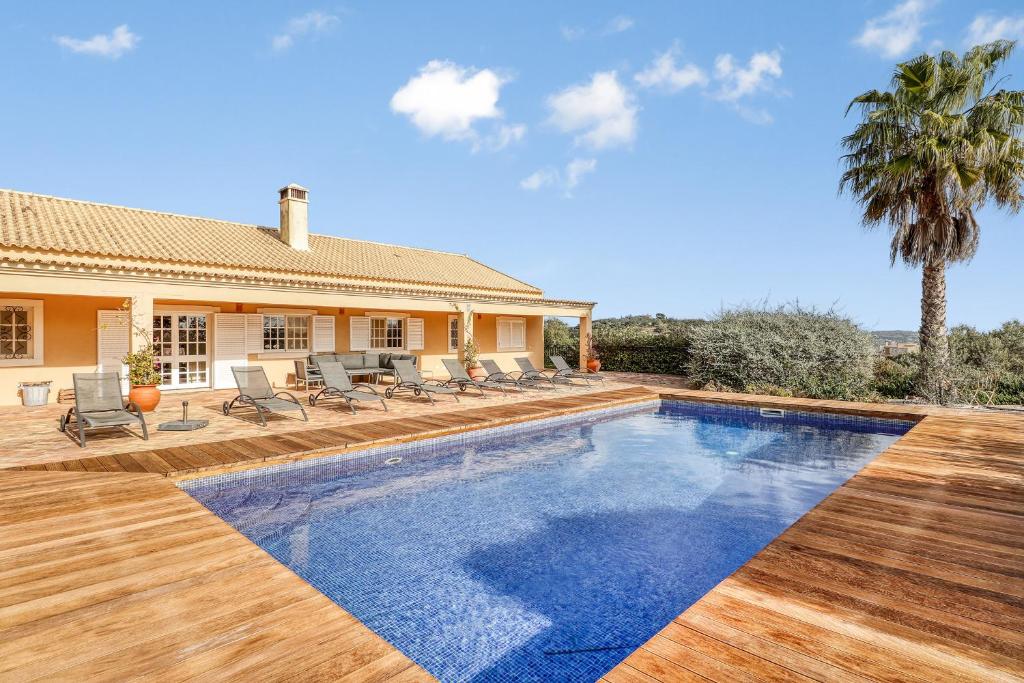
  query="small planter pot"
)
[
  {"x": 594, "y": 365},
  {"x": 477, "y": 372},
  {"x": 145, "y": 396}
]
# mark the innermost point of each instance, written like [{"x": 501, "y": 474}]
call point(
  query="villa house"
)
[{"x": 213, "y": 294}]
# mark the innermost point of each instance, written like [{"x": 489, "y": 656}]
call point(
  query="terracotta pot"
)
[
  {"x": 594, "y": 365},
  {"x": 145, "y": 396},
  {"x": 477, "y": 372}
]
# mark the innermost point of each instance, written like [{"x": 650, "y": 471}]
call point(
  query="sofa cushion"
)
[{"x": 351, "y": 361}]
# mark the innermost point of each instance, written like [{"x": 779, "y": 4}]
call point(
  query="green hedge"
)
[
  {"x": 787, "y": 350},
  {"x": 661, "y": 356},
  {"x": 799, "y": 352},
  {"x": 621, "y": 349}
]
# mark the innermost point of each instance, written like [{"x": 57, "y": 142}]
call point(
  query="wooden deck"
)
[
  {"x": 913, "y": 570},
  {"x": 113, "y": 576},
  {"x": 205, "y": 458},
  {"x": 108, "y": 571}
]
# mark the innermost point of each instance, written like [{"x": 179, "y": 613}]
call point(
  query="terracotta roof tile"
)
[{"x": 34, "y": 221}]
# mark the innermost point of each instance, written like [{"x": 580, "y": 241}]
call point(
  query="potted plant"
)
[
  {"x": 143, "y": 378},
  {"x": 593, "y": 360},
  {"x": 471, "y": 357}
]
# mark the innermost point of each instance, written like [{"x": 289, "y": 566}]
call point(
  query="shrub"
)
[
  {"x": 657, "y": 345},
  {"x": 643, "y": 351},
  {"x": 984, "y": 367},
  {"x": 969, "y": 348},
  {"x": 896, "y": 377},
  {"x": 561, "y": 340},
  {"x": 790, "y": 349},
  {"x": 1009, "y": 390},
  {"x": 1011, "y": 334}
]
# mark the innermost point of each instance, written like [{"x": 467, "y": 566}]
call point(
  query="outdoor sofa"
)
[{"x": 364, "y": 364}]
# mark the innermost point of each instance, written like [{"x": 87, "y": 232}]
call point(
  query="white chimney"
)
[{"x": 295, "y": 216}]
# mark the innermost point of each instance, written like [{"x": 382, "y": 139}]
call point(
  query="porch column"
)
[
  {"x": 465, "y": 318},
  {"x": 141, "y": 321},
  {"x": 585, "y": 332}
]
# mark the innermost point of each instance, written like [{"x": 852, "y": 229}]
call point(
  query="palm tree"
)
[{"x": 926, "y": 155}]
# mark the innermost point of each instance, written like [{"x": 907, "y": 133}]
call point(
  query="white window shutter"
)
[
  {"x": 359, "y": 333},
  {"x": 230, "y": 331},
  {"x": 504, "y": 340},
  {"x": 518, "y": 334},
  {"x": 113, "y": 342},
  {"x": 323, "y": 334},
  {"x": 253, "y": 328},
  {"x": 414, "y": 333}
]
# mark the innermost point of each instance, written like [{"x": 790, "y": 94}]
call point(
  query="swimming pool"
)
[{"x": 545, "y": 551}]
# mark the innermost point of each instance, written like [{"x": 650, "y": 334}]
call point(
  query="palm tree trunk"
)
[{"x": 933, "y": 380}]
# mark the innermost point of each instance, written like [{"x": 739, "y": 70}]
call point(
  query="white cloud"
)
[
  {"x": 446, "y": 99},
  {"x": 618, "y": 25},
  {"x": 568, "y": 179},
  {"x": 664, "y": 74},
  {"x": 501, "y": 138},
  {"x": 310, "y": 23},
  {"x": 576, "y": 169},
  {"x": 112, "y": 45},
  {"x": 615, "y": 25},
  {"x": 896, "y": 31},
  {"x": 760, "y": 117},
  {"x": 602, "y": 113},
  {"x": 739, "y": 81},
  {"x": 985, "y": 28},
  {"x": 544, "y": 177}
]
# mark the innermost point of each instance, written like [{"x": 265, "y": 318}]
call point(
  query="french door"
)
[{"x": 181, "y": 349}]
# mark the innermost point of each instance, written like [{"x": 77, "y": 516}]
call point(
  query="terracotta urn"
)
[
  {"x": 594, "y": 365},
  {"x": 477, "y": 372},
  {"x": 145, "y": 396}
]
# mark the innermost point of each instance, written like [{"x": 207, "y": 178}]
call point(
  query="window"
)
[
  {"x": 387, "y": 333},
  {"x": 285, "y": 332},
  {"x": 179, "y": 345},
  {"x": 453, "y": 333},
  {"x": 511, "y": 334},
  {"x": 21, "y": 332}
]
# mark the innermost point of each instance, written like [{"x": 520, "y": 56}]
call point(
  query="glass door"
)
[{"x": 182, "y": 353}]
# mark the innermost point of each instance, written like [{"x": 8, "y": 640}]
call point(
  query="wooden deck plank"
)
[
  {"x": 116, "y": 600},
  {"x": 912, "y": 570}
]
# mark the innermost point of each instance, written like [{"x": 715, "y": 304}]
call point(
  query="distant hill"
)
[{"x": 900, "y": 336}]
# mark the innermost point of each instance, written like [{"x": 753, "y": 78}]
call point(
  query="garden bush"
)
[
  {"x": 896, "y": 377},
  {"x": 649, "y": 344},
  {"x": 561, "y": 340},
  {"x": 988, "y": 367},
  {"x": 788, "y": 349}
]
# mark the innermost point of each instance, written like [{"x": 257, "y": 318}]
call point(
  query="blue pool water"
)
[{"x": 545, "y": 552}]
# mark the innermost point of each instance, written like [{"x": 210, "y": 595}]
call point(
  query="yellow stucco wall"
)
[{"x": 70, "y": 345}]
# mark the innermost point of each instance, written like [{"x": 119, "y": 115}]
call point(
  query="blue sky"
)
[{"x": 655, "y": 157}]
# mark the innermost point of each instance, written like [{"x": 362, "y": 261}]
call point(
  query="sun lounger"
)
[
  {"x": 99, "y": 403},
  {"x": 337, "y": 384},
  {"x": 254, "y": 390},
  {"x": 408, "y": 378},
  {"x": 461, "y": 379}
]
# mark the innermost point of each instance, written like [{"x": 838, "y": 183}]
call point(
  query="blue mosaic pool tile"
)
[{"x": 544, "y": 551}]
